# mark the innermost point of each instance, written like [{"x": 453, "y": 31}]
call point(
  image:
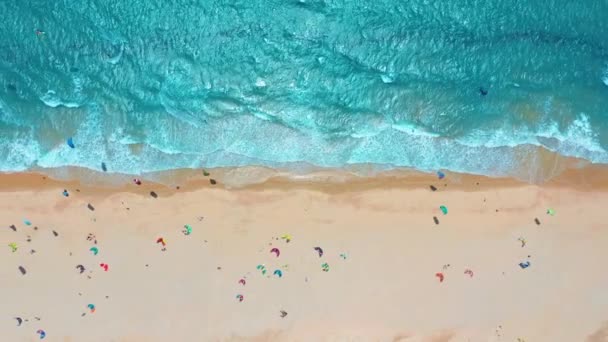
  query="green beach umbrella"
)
[
  {"x": 551, "y": 212},
  {"x": 261, "y": 268},
  {"x": 444, "y": 209},
  {"x": 94, "y": 250},
  {"x": 188, "y": 230}
]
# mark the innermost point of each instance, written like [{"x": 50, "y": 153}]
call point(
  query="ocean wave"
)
[
  {"x": 414, "y": 130},
  {"x": 262, "y": 146},
  {"x": 52, "y": 100},
  {"x": 577, "y": 140},
  {"x": 20, "y": 152}
]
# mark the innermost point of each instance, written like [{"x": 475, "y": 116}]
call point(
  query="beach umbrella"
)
[
  {"x": 41, "y": 333},
  {"x": 276, "y": 251},
  {"x": 261, "y": 268},
  {"x": 19, "y": 321},
  {"x": 187, "y": 229},
  {"x": 469, "y": 272},
  {"x": 13, "y": 246},
  {"x": 91, "y": 307},
  {"x": 70, "y": 142},
  {"x": 242, "y": 281},
  {"x": 94, "y": 249},
  {"x": 104, "y": 266},
  {"x": 319, "y": 250},
  {"x": 161, "y": 241},
  {"x": 286, "y": 237},
  {"x": 80, "y": 268},
  {"x": 278, "y": 273},
  {"x": 551, "y": 212},
  {"x": 283, "y": 313},
  {"x": 240, "y": 297},
  {"x": 325, "y": 267},
  {"x": 440, "y": 276},
  {"x": 27, "y": 222},
  {"x": 444, "y": 209},
  {"x": 524, "y": 265}
]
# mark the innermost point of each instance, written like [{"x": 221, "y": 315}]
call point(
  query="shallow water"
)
[{"x": 157, "y": 85}]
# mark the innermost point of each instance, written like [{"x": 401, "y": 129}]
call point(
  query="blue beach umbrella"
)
[{"x": 524, "y": 265}]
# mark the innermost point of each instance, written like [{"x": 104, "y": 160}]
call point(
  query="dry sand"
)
[{"x": 385, "y": 289}]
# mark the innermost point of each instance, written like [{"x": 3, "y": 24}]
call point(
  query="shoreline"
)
[
  {"x": 588, "y": 178},
  {"x": 544, "y": 167}
]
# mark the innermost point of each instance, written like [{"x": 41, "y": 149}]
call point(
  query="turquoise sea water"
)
[{"x": 156, "y": 85}]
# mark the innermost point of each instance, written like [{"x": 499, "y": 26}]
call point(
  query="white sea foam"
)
[
  {"x": 260, "y": 83},
  {"x": 19, "y": 153},
  {"x": 52, "y": 100},
  {"x": 413, "y": 130},
  {"x": 578, "y": 139},
  {"x": 387, "y": 78},
  {"x": 115, "y": 59}
]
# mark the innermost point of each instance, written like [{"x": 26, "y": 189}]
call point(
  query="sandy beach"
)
[{"x": 384, "y": 256}]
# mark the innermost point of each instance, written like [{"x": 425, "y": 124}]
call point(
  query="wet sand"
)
[{"x": 385, "y": 289}]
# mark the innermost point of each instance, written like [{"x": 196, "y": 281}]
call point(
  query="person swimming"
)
[{"x": 483, "y": 91}]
